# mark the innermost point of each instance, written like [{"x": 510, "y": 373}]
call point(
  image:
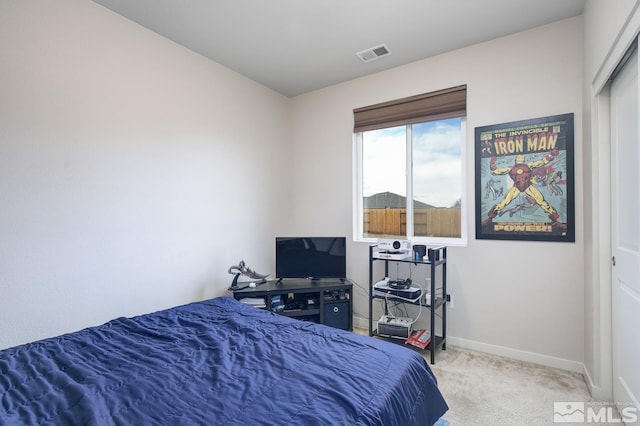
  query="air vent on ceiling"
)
[{"x": 374, "y": 53}]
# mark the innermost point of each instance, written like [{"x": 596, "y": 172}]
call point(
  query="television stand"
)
[{"x": 325, "y": 301}]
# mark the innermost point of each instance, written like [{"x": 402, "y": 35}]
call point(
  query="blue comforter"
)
[{"x": 216, "y": 362}]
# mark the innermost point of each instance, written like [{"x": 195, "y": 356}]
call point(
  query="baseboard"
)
[
  {"x": 546, "y": 360},
  {"x": 360, "y": 322},
  {"x": 517, "y": 354},
  {"x": 597, "y": 392},
  {"x": 588, "y": 381}
]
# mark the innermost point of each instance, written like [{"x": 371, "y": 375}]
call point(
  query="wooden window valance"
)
[{"x": 439, "y": 105}]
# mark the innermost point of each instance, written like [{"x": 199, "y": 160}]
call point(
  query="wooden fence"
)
[{"x": 441, "y": 222}]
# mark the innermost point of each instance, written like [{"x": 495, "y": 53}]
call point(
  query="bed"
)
[{"x": 216, "y": 362}]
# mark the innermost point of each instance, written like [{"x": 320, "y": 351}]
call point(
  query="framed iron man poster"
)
[{"x": 524, "y": 180}]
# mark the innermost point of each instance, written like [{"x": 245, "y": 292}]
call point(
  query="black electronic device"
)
[
  {"x": 400, "y": 284},
  {"x": 384, "y": 289},
  {"x": 311, "y": 257},
  {"x": 336, "y": 314},
  {"x": 419, "y": 251}
]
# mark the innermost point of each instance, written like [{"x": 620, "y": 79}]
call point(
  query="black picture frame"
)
[{"x": 524, "y": 178}]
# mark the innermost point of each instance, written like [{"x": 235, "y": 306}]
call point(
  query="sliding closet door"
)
[{"x": 625, "y": 234}]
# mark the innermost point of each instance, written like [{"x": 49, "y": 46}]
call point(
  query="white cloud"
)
[
  {"x": 384, "y": 162},
  {"x": 436, "y": 162}
]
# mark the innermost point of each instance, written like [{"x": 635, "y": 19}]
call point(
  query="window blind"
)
[{"x": 439, "y": 105}]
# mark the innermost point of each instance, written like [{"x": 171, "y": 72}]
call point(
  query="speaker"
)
[
  {"x": 419, "y": 251},
  {"x": 336, "y": 314}
]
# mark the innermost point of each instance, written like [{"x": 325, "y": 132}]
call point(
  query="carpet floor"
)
[
  {"x": 483, "y": 389},
  {"x": 489, "y": 390}
]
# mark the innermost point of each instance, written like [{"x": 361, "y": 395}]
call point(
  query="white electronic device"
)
[
  {"x": 383, "y": 289},
  {"x": 427, "y": 299},
  {"x": 394, "y": 245},
  {"x": 395, "y": 326},
  {"x": 393, "y": 249},
  {"x": 392, "y": 255}
]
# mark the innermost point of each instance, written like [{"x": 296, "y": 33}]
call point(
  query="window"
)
[{"x": 409, "y": 179}]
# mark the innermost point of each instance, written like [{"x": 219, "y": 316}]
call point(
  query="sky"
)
[{"x": 436, "y": 162}]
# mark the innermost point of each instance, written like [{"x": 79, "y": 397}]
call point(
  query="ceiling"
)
[{"x": 297, "y": 46}]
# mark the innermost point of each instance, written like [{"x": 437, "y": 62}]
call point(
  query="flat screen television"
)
[{"x": 311, "y": 257}]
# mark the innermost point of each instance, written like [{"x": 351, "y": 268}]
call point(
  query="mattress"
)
[{"x": 216, "y": 362}]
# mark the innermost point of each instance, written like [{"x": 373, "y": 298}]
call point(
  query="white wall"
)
[
  {"x": 609, "y": 27},
  {"x": 130, "y": 179},
  {"x": 522, "y": 299},
  {"x": 133, "y": 172}
]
